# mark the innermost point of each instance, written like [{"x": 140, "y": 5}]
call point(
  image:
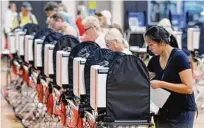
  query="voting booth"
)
[
  {"x": 137, "y": 29},
  {"x": 21, "y": 43},
  {"x": 62, "y": 68},
  {"x": 83, "y": 50},
  {"x": 12, "y": 43},
  {"x": 78, "y": 82},
  {"x": 48, "y": 68},
  {"x": 38, "y": 55},
  {"x": 28, "y": 48},
  {"x": 193, "y": 39},
  {"x": 98, "y": 86},
  {"x": 16, "y": 32},
  {"x": 102, "y": 57},
  {"x": 111, "y": 87},
  {"x": 64, "y": 43},
  {"x": 49, "y": 39}
]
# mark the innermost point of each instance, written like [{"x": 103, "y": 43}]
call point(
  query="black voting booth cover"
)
[
  {"x": 66, "y": 42},
  {"x": 49, "y": 39},
  {"x": 128, "y": 90},
  {"x": 98, "y": 57},
  {"x": 83, "y": 49},
  {"x": 31, "y": 28},
  {"x": 41, "y": 34}
]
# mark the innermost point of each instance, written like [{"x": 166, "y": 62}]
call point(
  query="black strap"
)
[
  {"x": 169, "y": 60},
  {"x": 19, "y": 19},
  {"x": 31, "y": 17}
]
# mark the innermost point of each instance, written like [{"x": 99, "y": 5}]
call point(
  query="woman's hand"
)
[{"x": 155, "y": 84}]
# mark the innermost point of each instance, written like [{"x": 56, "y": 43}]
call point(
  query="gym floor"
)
[{"x": 8, "y": 119}]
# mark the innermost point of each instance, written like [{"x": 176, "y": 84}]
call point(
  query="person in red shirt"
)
[{"x": 79, "y": 20}]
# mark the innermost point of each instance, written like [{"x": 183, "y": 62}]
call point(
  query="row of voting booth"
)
[{"x": 78, "y": 84}]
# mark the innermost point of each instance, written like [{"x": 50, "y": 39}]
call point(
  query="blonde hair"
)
[
  {"x": 115, "y": 34},
  {"x": 117, "y": 26}
]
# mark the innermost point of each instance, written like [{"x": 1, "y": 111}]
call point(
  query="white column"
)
[
  {"x": 71, "y": 7},
  {"x": 117, "y": 12}
]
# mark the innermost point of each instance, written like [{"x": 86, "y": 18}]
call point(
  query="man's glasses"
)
[{"x": 89, "y": 28}]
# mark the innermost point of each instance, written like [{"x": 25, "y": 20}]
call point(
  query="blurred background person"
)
[
  {"x": 52, "y": 8},
  {"x": 62, "y": 7},
  {"x": 25, "y": 16},
  {"x": 8, "y": 23},
  {"x": 104, "y": 19},
  {"x": 81, "y": 14},
  {"x": 59, "y": 25}
]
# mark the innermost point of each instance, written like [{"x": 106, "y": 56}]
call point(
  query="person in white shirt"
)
[
  {"x": 104, "y": 20},
  {"x": 116, "y": 42},
  {"x": 93, "y": 31},
  {"x": 59, "y": 25},
  {"x": 9, "y": 17}
]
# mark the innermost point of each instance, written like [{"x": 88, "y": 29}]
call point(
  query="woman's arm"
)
[{"x": 184, "y": 88}]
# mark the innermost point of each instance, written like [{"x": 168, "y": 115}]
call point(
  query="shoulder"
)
[
  {"x": 180, "y": 54},
  {"x": 181, "y": 61},
  {"x": 127, "y": 51}
]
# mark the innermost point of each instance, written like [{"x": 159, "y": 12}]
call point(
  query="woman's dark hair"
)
[{"x": 159, "y": 34}]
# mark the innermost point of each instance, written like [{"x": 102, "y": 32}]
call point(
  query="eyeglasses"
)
[{"x": 89, "y": 28}]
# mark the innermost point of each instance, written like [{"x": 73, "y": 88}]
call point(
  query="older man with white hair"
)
[
  {"x": 93, "y": 31},
  {"x": 116, "y": 42}
]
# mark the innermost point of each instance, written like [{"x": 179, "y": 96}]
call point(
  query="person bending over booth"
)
[
  {"x": 59, "y": 25},
  {"x": 170, "y": 70}
]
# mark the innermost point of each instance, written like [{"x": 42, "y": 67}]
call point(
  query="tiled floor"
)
[{"x": 8, "y": 119}]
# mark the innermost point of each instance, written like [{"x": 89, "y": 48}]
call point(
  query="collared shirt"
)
[
  {"x": 101, "y": 41},
  {"x": 127, "y": 51}
]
